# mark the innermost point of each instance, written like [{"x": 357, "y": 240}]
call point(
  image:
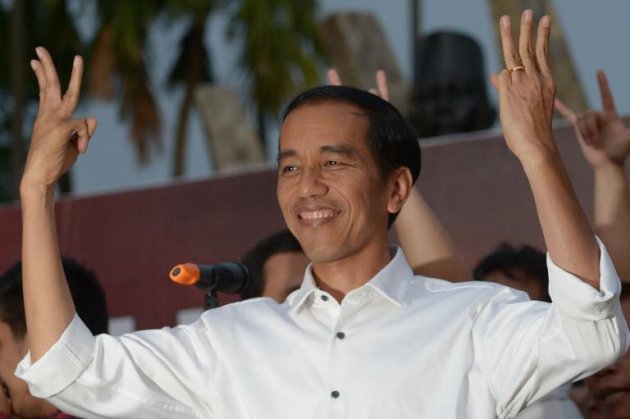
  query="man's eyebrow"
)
[
  {"x": 339, "y": 149},
  {"x": 283, "y": 154}
]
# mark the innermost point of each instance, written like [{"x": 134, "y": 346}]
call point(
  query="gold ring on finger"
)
[{"x": 517, "y": 68}]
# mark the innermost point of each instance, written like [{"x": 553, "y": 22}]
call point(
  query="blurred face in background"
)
[
  {"x": 283, "y": 274},
  {"x": 22, "y": 403},
  {"x": 611, "y": 386}
]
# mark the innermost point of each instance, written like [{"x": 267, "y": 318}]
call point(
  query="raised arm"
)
[
  {"x": 605, "y": 142},
  {"x": 56, "y": 142},
  {"x": 428, "y": 247},
  {"x": 526, "y": 101}
]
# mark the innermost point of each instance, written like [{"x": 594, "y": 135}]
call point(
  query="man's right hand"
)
[
  {"x": 57, "y": 139},
  {"x": 603, "y": 136}
]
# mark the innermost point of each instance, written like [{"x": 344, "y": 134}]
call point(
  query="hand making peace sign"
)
[
  {"x": 57, "y": 139},
  {"x": 526, "y": 89}
]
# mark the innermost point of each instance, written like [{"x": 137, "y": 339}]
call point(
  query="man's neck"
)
[{"x": 340, "y": 277}]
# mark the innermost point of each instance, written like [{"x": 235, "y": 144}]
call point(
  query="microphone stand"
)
[{"x": 210, "y": 300}]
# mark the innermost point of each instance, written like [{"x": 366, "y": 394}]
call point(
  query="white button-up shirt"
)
[{"x": 401, "y": 346}]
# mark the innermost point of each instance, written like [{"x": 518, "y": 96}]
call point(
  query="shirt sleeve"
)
[
  {"x": 529, "y": 348},
  {"x": 166, "y": 373}
]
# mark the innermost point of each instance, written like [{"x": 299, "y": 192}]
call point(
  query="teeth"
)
[
  {"x": 615, "y": 396},
  {"x": 316, "y": 215}
]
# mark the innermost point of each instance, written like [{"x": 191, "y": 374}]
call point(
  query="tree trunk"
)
[
  {"x": 179, "y": 154},
  {"x": 262, "y": 129},
  {"x": 17, "y": 75}
]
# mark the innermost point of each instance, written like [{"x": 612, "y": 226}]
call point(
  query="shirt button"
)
[
  {"x": 335, "y": 394},
  {"x": 341, "y": 335},
  {"x": 324, "y": 298}
]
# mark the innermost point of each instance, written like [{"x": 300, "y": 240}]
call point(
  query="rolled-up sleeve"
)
[
  {"x": 578, "y": 299},
  {"x": 530, "y": 348},
  {"x": 73, "y": 350},
  {"x": 166, "y": 373}
]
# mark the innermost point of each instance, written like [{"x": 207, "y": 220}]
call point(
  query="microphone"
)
[{"x": 227, "y": 277}]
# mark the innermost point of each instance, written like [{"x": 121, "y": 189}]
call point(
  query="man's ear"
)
[{"x": 400, "y": 185}]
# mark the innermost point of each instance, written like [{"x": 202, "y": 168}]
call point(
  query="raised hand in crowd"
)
[
  {"x": 526, "y": 101},
  {"x": 604, "y": 140},
  {"x": 428, "y": 248},
  {"x": 56, "y": 143}
]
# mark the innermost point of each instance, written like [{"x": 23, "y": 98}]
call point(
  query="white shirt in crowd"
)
[{"x": 401, "y": 346}]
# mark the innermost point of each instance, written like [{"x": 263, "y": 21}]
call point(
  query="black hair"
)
[
  {"x": 280, "y": 242},
  {"x": 391, "y": 139},
  {"x": 508, "y": 260},
  {"x": 87, "y": 294}
]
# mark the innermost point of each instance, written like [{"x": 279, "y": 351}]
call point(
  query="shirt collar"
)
[{"x": 391, "y": 283}]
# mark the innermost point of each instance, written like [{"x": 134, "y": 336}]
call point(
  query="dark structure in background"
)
[{"x": 449, "y": 91}]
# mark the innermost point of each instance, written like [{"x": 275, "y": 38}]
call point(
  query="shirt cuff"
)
[
  {"x": 578, "y": 299},
  {"x": 61, "y": 364}
]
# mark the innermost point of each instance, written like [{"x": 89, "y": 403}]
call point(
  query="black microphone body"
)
[{"x": 227, "y": 277}]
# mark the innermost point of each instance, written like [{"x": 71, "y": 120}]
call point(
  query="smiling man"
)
[
  {"x": 363, "y": 337},
  {"x": 339, "y": 185}
]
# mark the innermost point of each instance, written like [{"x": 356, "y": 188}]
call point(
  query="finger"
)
[
  {"x": 41, "y": 81},
  {"x": 333, "y": 77},
  {"x": 80, "y": 133},
  {"x": 373, "y": 91},
  {"x": 494, "y": 79},
  {"x": 590, "y": 120},
  {"x": 381, "y": 83},
  {"x": 542, "y": 47},
  {"x": 510, "y": 55},
  {"x": 53, "y": 91},
  {"x": 525, "y": 42},
  {"x": 565, "y": 111},
  {"x": 582, "y": 129},
  {"x": 83, "y": 143},
  {"x": 71, "y": 98},
  {"x": 608, "y": 102},
  {"x": 91, "y": 123}
]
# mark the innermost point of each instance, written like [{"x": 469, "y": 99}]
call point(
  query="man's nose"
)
[{"x": 312, "y": 183}]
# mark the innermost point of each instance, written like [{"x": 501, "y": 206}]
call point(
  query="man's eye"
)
[
  {"x": 332, "y": 163},
  {"x": 288, "y": 169}
]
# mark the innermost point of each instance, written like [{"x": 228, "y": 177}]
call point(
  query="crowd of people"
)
[{"x": 348, "y": 326}]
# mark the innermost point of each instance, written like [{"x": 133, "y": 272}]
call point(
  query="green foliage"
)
[
  {"x": 281, "y": 48},
  {"x": 280, "y": 43}
]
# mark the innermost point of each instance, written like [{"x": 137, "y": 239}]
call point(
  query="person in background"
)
[
  {"x": 276, "y": 267},
  {"x": 523, "y": 268},
  {"x": 604, "y": 139},
  {"x": 89, "y": 299}
]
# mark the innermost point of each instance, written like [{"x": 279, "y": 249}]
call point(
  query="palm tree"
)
[
  {"x": 117, "y": 52},
  {"x": 25, "y": 25},
  {"x": 281, "y": 50},
  {"x": 192, "y": 67},
  {"x": 280, "y": 44}
]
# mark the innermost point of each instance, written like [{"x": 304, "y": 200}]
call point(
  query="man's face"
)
[
  {"x": 330, "y": 190},
  {"x": 12, "y": 350},
  {"x": 283, "y": 273}
]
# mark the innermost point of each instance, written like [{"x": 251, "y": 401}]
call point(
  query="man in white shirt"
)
[{"x": 363, "y": 337}]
